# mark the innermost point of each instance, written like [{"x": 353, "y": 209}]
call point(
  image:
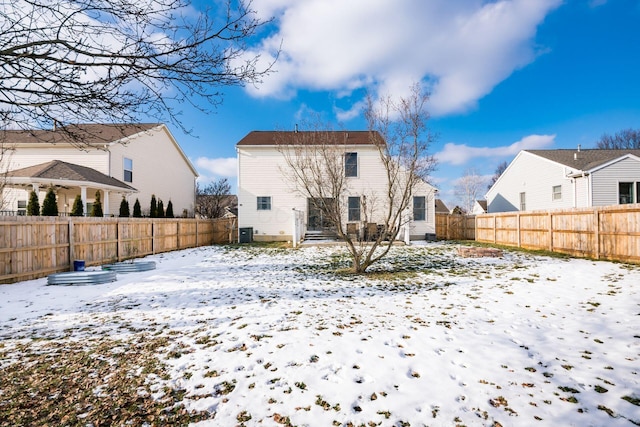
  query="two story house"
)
[
  {"x": 268, "y": 203},
  {"x": 564, "y": 179},
  {"x": 134, "y": 161}
]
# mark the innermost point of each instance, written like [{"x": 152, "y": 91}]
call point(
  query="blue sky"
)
[{"x": 504, "y": 76}]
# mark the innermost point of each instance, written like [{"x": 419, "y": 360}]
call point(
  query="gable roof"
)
[
  {"x": 584, "y": 160},
  {"x": 90, "y": 134},
  {"x": 267, "y": 138},
  {"x": 441, "y": 207},
  {"x": 57, "y": 170}
]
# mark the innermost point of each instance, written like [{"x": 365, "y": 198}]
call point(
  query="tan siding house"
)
[
  {"x": 132, "y": 160},
  {"x": 268, "y": 201}
]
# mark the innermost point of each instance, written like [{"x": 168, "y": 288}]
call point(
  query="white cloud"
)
[
  {"x": 216, "y": 168},
  {"x": 460, "y": 154},
  {"x": 461, "y": 48}
]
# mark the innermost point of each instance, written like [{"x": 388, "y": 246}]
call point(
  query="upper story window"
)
[
  {"x": 419, "y": 208},
  {"x": 556, "y": 191},
  {"x": 264, "y": 203},
  {"x": 351, "y": 164},
  {"x": 523, "y": 202},
  {"x": 128, "y": 170}
]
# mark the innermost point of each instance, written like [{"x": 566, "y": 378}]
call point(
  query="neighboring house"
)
[
  {"x": 268, "y": 203},
  {"x": 440, "y": 207},
  {"x": 562, "y": 179},
  {"x": 479, "y": 207},
  {"x": 131, "y": 160}
]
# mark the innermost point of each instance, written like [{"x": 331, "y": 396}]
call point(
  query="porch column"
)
[
  {"x": 407, "y": 228},
  {"x": 83, "y": 196},
  {"x": 105, "y": 194}
]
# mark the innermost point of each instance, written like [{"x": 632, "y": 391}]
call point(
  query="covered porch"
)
[{"x": 68, "y": 180}]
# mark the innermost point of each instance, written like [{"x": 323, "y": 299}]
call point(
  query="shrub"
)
[
  {"x": 33, "y": 207},
  {"x": 169, "y": 213},
  {"x": 50, "y": 204},
  {"x": 124, "y": 208},
  {"x": 77, "y": 209},
  {"x": 160, "y": 212},
  {"x": 137, "y": 212},
  {"x": 97, "y": 206},
  {"x": 153, "y": 209}
]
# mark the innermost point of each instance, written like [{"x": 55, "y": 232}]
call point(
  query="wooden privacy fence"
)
[
  {"x": 455, "y": 227},
  {"x": 610, "y": 232},
  {"x": 33, "y": 247}
]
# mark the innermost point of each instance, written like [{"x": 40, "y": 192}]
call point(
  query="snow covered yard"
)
[{"x": 267, "y": 336}]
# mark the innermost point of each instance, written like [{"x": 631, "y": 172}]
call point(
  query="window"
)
[
  {"x": 419, "y": 209},
  {"x": 354, "y": 208},
  {"x": 351, "y": 164},
  {"x": 626, "y": 193},
  {"x": 523, "y": 202},
  {"x": 22, "y": 207},
  {"x": 264, "y": 203},
  {"x": 128, "y": 170},
  {"x": 557, "y": 192}
]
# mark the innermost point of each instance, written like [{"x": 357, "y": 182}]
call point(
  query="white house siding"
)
[
  {"x": 159, "y": 167},
  {"x": 582, "y": 192},
  {"x": 261, "y": 173},
  {"x": 260, "y": 176},
  {"x": 605, "y": 180},
  {"x": 534, "y": 176}
]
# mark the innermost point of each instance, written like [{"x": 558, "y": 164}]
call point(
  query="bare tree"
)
[
  {"x": 624, "y": 139},
  {"x": 115, "y": 61},
  {"x": 317, "y": 162},
  {"x": 6, "y": 150},
  {"x": 212, "y": 199},
  {"x": 468, "y": 189},
  {"x": 499, "y": 171}
]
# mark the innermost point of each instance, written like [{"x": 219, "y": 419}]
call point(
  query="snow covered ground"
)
[{"x": 267, "y": 336}]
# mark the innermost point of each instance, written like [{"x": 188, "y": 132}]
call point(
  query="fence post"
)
[
  {"x": 72, "y": 250},
  {"x": 518, "y": 229},
  {"x": 596, "y": 227},
  {"x": 118, "y": 251},
  {"x": 153, "y": 237},
  {"x": 550, "y": 232},
  {"x": 178, "y": 234}
]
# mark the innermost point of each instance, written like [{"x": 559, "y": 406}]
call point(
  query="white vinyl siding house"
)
[
  {"x": 144, "y": 158},
  {"x": 261, "y": 172},
  {"x": 563, "y": 179}
]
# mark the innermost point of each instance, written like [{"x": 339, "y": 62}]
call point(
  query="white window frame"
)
[
  {"x": 635, "y": 190},
  {"x": 126, "y": 160},
  {"x": 352, "y": 211},
  {"x": 422, "y": 210},
  {"x": 349, "y": 170},
  {"x": 263, "y": 203},
  {"x": 523, "y": 201},
  {"x": 556, "y": 192}
]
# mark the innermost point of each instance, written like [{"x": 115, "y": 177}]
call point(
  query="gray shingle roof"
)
[
  {"x": 305, "y": 137},
  {"x": 63, "y": 171},
  {"x": 583, "y": 160},
  {"x": 76, "y": 134}
]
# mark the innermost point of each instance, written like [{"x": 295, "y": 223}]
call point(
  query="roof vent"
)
[
  {"x": 575, "y": 156},
  {"x": 578, "y": 148},
  {"x": 296, "y": 128}
]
